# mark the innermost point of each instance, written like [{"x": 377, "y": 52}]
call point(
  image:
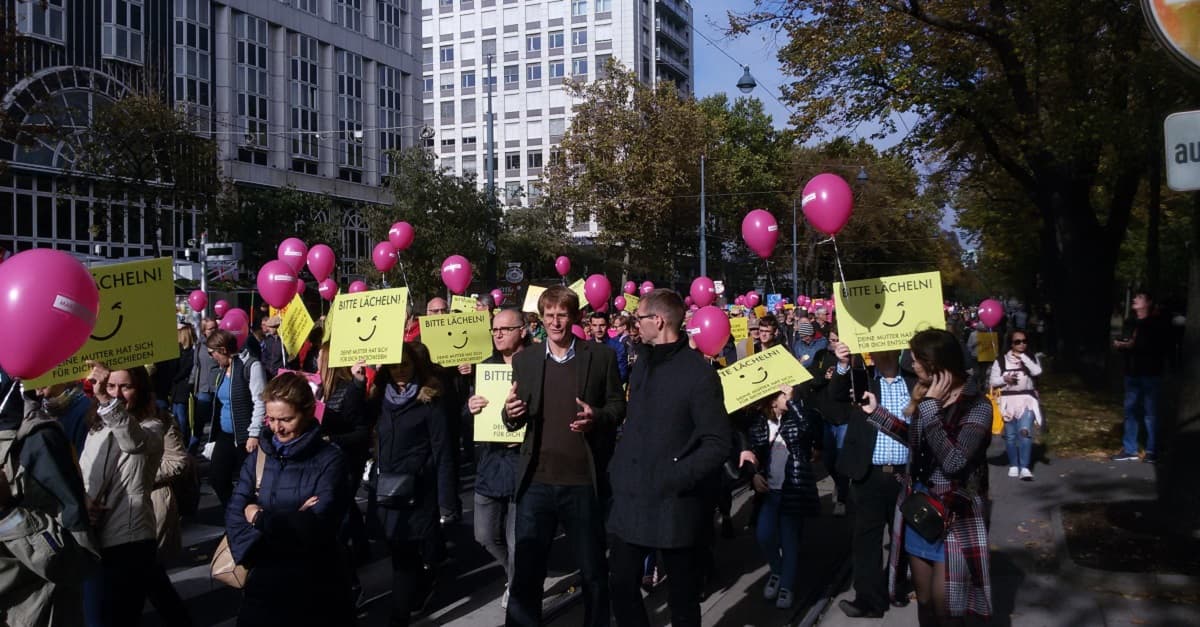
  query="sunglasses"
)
[{"x": 1020, "y": 342}]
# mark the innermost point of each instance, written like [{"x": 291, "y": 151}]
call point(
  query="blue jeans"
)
[
  {"x": 181, "y": 416},
  {"x": 834, "y": 438},
  {"x": 779, "y": 538},
  {"x": 1141, "y": 391},
  {"x": 203, "y": 413},
  {"x": 1018, "y": 440}
]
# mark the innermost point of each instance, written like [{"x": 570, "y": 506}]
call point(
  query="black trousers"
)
[
  {"x": 874, "y": 499},
  {"x": 685, "y": 568},
  {"x": 226, "y": 464}
]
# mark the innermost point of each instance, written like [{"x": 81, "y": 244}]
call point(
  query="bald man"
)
[{"x": 436, "y": 306}]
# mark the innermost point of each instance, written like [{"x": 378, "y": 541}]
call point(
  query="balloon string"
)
[
  {"x": 16, "y": 383},
  {"x": 837, "y": 258}
]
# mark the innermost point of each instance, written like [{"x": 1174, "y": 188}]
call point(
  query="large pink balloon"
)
[
  {"x": 562, "y": 265},
  {"x": 752, "y": 299},
  {"x": 48, "y": 308},
  {"x": 277, "y": 283},
  {"x": 646, "y": 288},
  {"x": 703, "y": 291},
  {"x": 709, "y": 329},
  {"x": 221, "y": 308},
  {"x": 327, "y": 288},
  {"x": 760, "y": 231},
  {"x": 401, "y": 235},
  {"x": 456, "y": 273},
  {"x": 740, "y": 300},
  {"x": 828, "y": 203},
  {"x": 620, "y": 302},
  {"x": 384, "y": 256},
  {"x": 991, "y": 312},
  {"x": 294, "y": 253},
  {"x": 237, "y": 325},
  {"x": 497, "y": 297},
  {"x": 321, "y": 261},
  {"x": 197, "y": 300},
  {"x": 356, "y": 287},
  {"x": 630, "y": 288},
  {"x": 237, "y": 314},
  {"x": 300, "y": 286},
  {"x": 597, "y": 289}
]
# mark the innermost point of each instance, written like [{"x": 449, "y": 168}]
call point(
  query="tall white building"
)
[{"x": 533, "y": 45}]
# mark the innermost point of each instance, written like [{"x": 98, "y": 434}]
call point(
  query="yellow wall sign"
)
[
  {"x": 739, "y": 328},
  {"x": 531, "y": 299},
  {"x": 631, "y": 303},
  {"x": 760, "y": 375},
  {"x": 296, "y": 326},
  {"x": 136, "y": 324},
  {"x": 462, "y": 304},
  {"x": 988, "y": 348},
  {"x": 458, "y": 338},
  {"x": 370, "y": 327},
  {"x": 883, "y": 314},
  {"x": 493, "y": 381}
]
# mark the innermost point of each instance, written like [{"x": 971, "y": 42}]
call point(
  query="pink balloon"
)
[
  {"x": 740, "y": 300},
  {"x": 687, "y": 301},
  {"x": 237, "y": 314},
  {"x": 456, "y": 273},
  {"x": 497, "y": 296},
  {"x": 356, "y": 287},
  {"x": 646, "y": 288},
  {"x": 220, "y": 308},
  {"x": 300, "y": 285},
  {"x": 197, "y": 300},
  {"x": 294, "y": 253},
  {"x": 752, "y": 299},
  {"x": 693, "y": 308},
  {"x": 991, "y": 312},
  {"x": 703, "y": 291},
  {"x": 597, "y": 289},
  {"x": 619, "y": 303},
  {"x": 321, "y": 261},
  {"x": 239, "y": 326},
  {"x": 828, "y": 203},
  {"x": 760, "y": 231},
  {"x": 277, "y": 283},
  {"x": 630, "y": 287},
  {"x": 709, "y": 329},
  {"x": 401, "y": 235},
  {"x": 327, "y": 288},
  {"x": 562, "y": 265},
  {"x": 578, "y": 331},
  {"x": 48, "y": 310},
  {"x": 384, "y": 256}
]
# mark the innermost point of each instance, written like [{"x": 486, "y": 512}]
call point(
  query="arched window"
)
[{"x": 355, "y": 241}]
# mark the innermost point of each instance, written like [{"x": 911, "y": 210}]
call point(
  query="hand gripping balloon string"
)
[{"x": 838, "y": 259}]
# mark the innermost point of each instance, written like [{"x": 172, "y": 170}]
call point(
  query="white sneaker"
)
[
  {"x": 771, "y": 590},
  {"x": 1026, "y": 475},
  {"x": 1014, "y": 472},
  {"x": 504, "y": 599},
  {"x": 784, "y": 601}
]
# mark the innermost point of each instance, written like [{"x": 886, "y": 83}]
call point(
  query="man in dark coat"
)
[
  {"x": 568, "y": 397},
  {"x": 665, "y": 472},
  {"x": 273, "y": 356}
]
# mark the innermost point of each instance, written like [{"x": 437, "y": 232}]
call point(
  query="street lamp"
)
[{"x": 746, "y": 83}]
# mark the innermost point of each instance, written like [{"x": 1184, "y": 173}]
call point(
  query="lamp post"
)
[
  {"x": 492, "y": 267},
  {"x": 703, "y": 225}
]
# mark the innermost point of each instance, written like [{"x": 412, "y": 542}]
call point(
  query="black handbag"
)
[
  {"x": 396, "y": 489},
  {"x": 924, "y": 514}
]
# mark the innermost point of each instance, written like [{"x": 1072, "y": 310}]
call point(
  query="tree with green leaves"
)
[{"x": 262, "y": 217}]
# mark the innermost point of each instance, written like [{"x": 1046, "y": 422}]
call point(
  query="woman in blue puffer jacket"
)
[{"x": 285, "y": 532}]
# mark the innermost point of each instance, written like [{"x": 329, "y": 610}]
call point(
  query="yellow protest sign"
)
[
  {"x": 136, "y": 324},
  {"x": 631, "y": 303},
  {"x": 739, "y": 328},
  {"x": 989, "y": 346},
  {"x": 760, "y": 311},
  {"x": 328, "y": 335},
  {"x": 462, "y": 304},
  {"x": 492, "y": 381},
  {"x": 531, "y": 299},
  {"x": 736, "y": 309},
  {"x": 760, "y": 375},
  {"x": 457, "y": 338},
  {"x": 296, "y": 326},
  {"x": 370, "y": 326},
  {"x": 883, "y": 314},
  {"x": 788, "y": 307},
  {"x": 577, "y": 287}
]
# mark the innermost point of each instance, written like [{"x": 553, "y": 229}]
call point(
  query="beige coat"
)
[
  {"x": 166, "y": 509},
  {"x": 119, "y": 462}
]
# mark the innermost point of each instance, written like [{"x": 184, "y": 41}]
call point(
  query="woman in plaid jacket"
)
[{"x": 947, "y": 435}]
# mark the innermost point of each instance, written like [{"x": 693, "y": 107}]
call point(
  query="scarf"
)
[{"x": 397, "y": 397}]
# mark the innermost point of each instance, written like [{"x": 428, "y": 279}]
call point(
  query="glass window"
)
[
  {"x": 534, "y": 158},
  {"x": 579, "y": 65},
  {"x": 427, "y": 56},
  {"x": 391, "y": 121},
  {"x": 533, "y": 43},
  {"x": 489, "y": 49},
  {"x": 45, "y": 18},
  {"x": 603, "y": 6},
  {"x": 391, "y": 21},
  {"x": 578, "y": 7},
  {"x": 468, "y": 79},
  {"x": 350, "y": 114},
  {"x": 556, "y": 69},
  {"x": 251, "y": 81},
  {"x": 192, "y": 60},
  {"x": 469, "y": 165},
  {"x": 556, "y": 39},
  {"x": 121, "y": 35},
  {"x": 533, "y": 72},
  {"x": 447, "y": 112},
  {"x": 512, "y": 161},
  {"x": 349, "y": 14},
  {"x": 511, "y": 75},
  {"x": 446, "y": 54},
  {"x": 303, "y": 99},
  {"x": 468, "y": 110},
  {"x": 579, "y": 37},
  {"x": 447, "y": 82},
  {"x": 427, "y": 84},
  {"x": 558, "y": 126}
]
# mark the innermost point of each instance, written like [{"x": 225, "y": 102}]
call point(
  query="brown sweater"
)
[{"x": 563, "y": 456}]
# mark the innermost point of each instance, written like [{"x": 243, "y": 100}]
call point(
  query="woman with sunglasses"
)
[{"x": 1013, "y": 373}]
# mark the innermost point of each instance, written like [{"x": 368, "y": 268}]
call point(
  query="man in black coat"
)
[
  {"x": 665, "y": 472},
  {"x": 569, "y": 398},
  {"x": 273, "y": 356},
  {"x": 872, "y": 461}
]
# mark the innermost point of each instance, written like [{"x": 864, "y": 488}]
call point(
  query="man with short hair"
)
[
  {"x": 665, "y": 471},
  {"x": 768, "y": 333},
  {"x": 598, "y": 326},
  {"x": 274, "y": 358},
  {"x": 569, "y": 399},
  {"x": 1146, "y": 349},
  {"x": 820, "y": 321}
]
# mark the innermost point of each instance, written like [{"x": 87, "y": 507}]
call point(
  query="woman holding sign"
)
[{"x": 940, "y": 513}]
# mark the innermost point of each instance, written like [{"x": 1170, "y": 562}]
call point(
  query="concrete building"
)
[
  {"x": 532, "y": 46},
  {"x": 306, "y": 93}
]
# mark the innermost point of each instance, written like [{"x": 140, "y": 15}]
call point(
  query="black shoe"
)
[
  {"x": 1150, "y": 458},
  {"x": 727, "y": 529},
  {"x": 854, "y": 610},
  {"x": 1124, "y": 456}
]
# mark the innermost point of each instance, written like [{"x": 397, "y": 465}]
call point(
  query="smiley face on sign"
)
[
  {"x": 465, "y": 339},
  {"x": 760, "y": 379},
  {"x": 898, "y": 321},
  {"x": 374, "y": 320},
  {"x": 115, "y": 329}
]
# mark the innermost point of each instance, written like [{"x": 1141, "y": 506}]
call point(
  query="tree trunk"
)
[
  {"x": 1177, "y": 483},
  {"x": 1154, "y": 217}
]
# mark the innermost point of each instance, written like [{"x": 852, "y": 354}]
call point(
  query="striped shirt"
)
[{"x": 894, "y": 397}]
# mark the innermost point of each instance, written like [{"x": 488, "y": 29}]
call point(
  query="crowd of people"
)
[{"x": 626, "y": 446}]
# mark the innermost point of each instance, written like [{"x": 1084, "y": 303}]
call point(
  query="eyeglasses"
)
[
  {"x": 640, "y": 317},
  {"x": 433, "y": 312},
  {"x": 503, "y": 330},
  {"x": 1021, "y": 342}
]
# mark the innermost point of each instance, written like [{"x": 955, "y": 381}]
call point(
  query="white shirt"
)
[{"x": 779, "y": 456}]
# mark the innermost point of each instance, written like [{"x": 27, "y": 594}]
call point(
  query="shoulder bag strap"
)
[{"x": 259, "y": 463}]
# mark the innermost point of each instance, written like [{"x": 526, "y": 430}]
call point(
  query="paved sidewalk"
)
[{"x": 1034, "y": 581}]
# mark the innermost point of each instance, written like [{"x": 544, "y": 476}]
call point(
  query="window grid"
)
[
  {"x": 578, "y": 7},
  {"x": 391, "y": 23},
  {"x": 557, "y": 69},
  {"x": 391, "y": 114},
  {"x": 192, "y": 58},
  {"x": 252, "y": 86},
  {"x": 121, "y": 35},
  {"x": 556, "y": 40},
  {"x": 579, "y": 37},
  {"x": 46, "y": 18},
  {"x": 579, "y": 66},
  {"x": 533, "y": 72},
  {"x": 304, "y": 100},
  {"x": 468, "y": 79},
  {"x": 349, "y": 14},
  {"x": 350, "y": 112},
  {"x": 533, "y": 43}
]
